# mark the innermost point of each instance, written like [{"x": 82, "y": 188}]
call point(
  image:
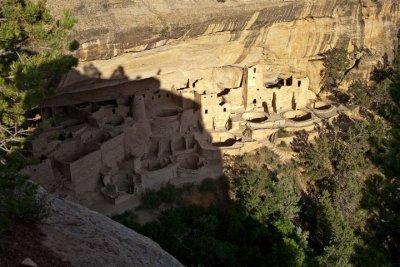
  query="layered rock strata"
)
[{"x": 167, "y": 36}]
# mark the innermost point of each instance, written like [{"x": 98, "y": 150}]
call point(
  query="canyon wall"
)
[{"x": 183, "y": 39}]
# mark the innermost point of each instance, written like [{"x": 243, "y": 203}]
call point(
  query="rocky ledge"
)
[{"x": 86, "y": 238}]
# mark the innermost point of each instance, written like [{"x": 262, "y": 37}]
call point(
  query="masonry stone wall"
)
[
  {"x": 235, "y": 97},
  {"x": 113, "y": 151},
  {"x": 151, "y": 179},
  {"x": 85, "y": 172},
  {"x": 168, "y": 136}
]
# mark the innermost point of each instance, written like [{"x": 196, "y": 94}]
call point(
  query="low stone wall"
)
[{"x": 152, "y": 179}]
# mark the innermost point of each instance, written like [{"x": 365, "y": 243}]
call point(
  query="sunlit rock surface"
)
[{"x": 181, "y": 39}]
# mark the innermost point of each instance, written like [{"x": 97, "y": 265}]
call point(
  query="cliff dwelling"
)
[{"x": 112, "y": 140}]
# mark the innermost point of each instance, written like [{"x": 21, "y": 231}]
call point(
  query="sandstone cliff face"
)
[
  {"x": 86, "y": 238},
  {"x": 190, "y": 35}
]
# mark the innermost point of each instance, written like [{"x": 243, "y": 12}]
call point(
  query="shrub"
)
[
  {"x": 151, "y": 199},
  {"x": 165, "y": 31},
  {"x": 263, "y": 158},
  {"x": 283, "y": 133},
  {"x": 19, "y": 200},
  {"x": 336, "y": 63},
  {"x": 168, "y": 193},
  {"x": 209, "y": 185},
  {"x": 282, "y": 144},
  {"x": 128, "y": 218}
]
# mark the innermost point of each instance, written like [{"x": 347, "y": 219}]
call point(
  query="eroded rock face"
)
[
  {"x": 86, "y": 238},
  {"x": 188, "y": 35}
]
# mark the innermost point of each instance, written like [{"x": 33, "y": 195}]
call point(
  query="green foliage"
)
[
  {"x": 165, "y": 32},
  {"x": 259, "y": 227},
  {"x": 337, "y": 204},
  {"x": 209, "y": 185},
  {"x": 283, "y": 133},
  {"x": 359, "y": 89},
  {"x": 19, "y": 200},
  {"x": 334, "y": 164},
  {"x": 34, "y": 55},
  {"x": 168, "y": 194},
  {"x": 212, "y": 237},
  {"x": 375, "y": 96},
  {"x": 336, "y": 63},
  {"x": 337, "y": 236},
  {"x": 266, "y": 196},
  {"x": 314, "y": 157},
  {"x": 381, "y": 198},
  {"x": 282, "y": 144},
  {"x": 263, "y": 158},
  {"x": 128, "y": 218}
]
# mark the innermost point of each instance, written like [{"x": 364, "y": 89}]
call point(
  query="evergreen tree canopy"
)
[
  {"x": 336, "y": 63},
  {"x": 34, "y": 53}
]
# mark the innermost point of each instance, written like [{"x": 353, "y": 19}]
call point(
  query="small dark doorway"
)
[
  {"x": 265, "y": 106},
  {"x": 294, "y": 105},
  {"x": 289, "y": 81}
]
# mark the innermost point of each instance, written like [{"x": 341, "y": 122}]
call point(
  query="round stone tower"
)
[{"x": 138, "y": 108}]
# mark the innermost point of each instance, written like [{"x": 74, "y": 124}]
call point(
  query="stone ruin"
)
[{"x": 115, "y": 140}]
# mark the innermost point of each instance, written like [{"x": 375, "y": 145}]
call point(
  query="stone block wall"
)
[
  {"x": 152, "y": 179},
  {"x": 113, "y": 151},
  {"x": 85, "y": 172}
]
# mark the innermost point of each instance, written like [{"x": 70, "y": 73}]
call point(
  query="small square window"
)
[{"x": 206, "y": 111}]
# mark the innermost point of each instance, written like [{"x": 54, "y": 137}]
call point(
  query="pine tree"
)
[{"x": 34, "y": 54}]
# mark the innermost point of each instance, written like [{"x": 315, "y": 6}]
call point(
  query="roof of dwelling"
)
[
  {"x": 206, "y": 87},
  {"x": 272, "y": 77},
  {"x": 88, "y": 85},
  {"x": 100, "y": 90}
]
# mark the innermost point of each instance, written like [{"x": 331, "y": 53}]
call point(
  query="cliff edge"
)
[{"x": 86, "y": 238}]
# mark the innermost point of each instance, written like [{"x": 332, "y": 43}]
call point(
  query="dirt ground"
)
[{"x": 23, "y": 241}]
